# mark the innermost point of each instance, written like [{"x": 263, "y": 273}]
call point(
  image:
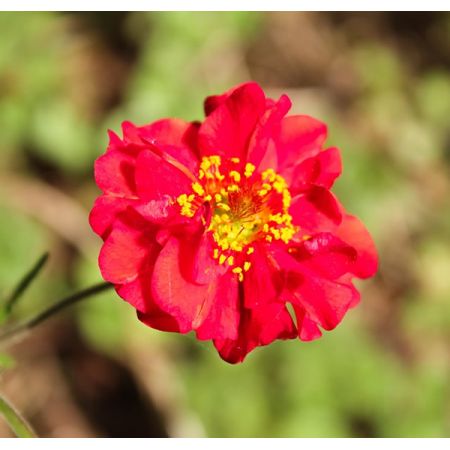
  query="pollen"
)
[
  {"x": 239, "y": 207},
  {"x": 249, "y": 169}
]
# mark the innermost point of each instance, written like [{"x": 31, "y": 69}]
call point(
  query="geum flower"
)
[{"x": 216, "y": 226}]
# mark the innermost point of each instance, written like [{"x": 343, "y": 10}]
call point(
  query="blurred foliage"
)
[{"x": 65, "y": 78}]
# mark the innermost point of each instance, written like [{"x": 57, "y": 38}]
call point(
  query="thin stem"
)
[
  {"x": 24, "y": 283},
  {"x": 47, "y": 313},
  {"x": 17, "y": 423}
]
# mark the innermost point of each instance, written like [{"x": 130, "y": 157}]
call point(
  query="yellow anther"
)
[
  {"x": 249, "y": 169},
  {"x": 250, "y": 250},
  {"x": 198, "y": 188},
  {"x": 222, "y": 259},
  {"x": 182, "y": 199},
  {"x": 241, "y": 277},
  {"x": 233, "y": 188},
  {"x": 235, "y": 175},
  {"x": 225, "y": 217},
  {"x": 216, "y": 253},
  {"x": 207, "y": 198},
  {"x": 223, "y": 206},
  {"x": 269, "y": 238},
  {"x": 237, "y": 270},
  {"x": 217, "y": 197},
  {"x": 230, "y": 260},
  {"x": 266, "y": 228},
  {"x": 235, "y": 160},
  {"x": 247, "y": 266},
  {"x": 215, "y": 159}
]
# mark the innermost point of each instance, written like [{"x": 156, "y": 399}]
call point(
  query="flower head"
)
[{"x": 215, "y": 227}]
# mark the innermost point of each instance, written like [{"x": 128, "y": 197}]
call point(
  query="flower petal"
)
[
  {"x": 105, "y": 211},
  {"x": 222, "y": 320},
  {"x": 156, "y": 179},
  {"x": 259, "y": 326},
  {"x": 326, "y": 255},
  {"x": 321, "y": 170},
  {"x": 177, "y": 137},
  {"x": 187, "y": 302},
  {"x": 227, "y": 130},
  {"x": 126, "y": 253},
  {"x": 324, "y": 301},
  {"x": 307, "y": 329},
  {"x": 316, "y": 210},
  {"x": 266, "y": 129},
  {"x": 300, "y": 137},
  {"x": 262, "y": 283},
  {"x": 114, "y": 174},
  {"x": 353, "y": 231}
]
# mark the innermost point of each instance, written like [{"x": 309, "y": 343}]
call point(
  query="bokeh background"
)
[{"x": 381, "y": 82}]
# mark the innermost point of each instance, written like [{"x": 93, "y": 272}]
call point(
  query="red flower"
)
[{"x": 215, "y": 227}]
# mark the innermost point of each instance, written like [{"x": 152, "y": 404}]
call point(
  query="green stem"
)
[
  {"x": 17, "y": 423},
  {"x": 21, "y": 329},
  {"x": 24, "y": 283}
]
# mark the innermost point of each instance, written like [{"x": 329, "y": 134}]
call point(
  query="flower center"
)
[{"x": 243, "y": 207}]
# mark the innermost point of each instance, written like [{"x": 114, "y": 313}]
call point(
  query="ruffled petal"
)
[
  {"x": 114, "y": 174},
  {"x": 177, "y": 137},
  {"x": 157, "y": 179},
  {"x": 326, "y": 255},
  {"x": 259, "y": 326},
  {"x": 262, "y": 283},
  {"x": 300, "y": 137},
  {"x": 266, "y": 129},
  {"x": 222, "y": 320},
  {"x": 126, "y": 253},
  {"x": 353, "y": 231},
  {"x": 227, "y": 130},
  {"x": 105, "y": 211},
  {"x": 320, "y": 170},
  {"x": 316, "y": 211},
  {"x": 187, "y": 302},
  {"x": 307, "y": 329},
  {"x": 324, "y": 301}
]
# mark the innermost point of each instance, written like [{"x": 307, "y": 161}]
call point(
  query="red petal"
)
[
  {"x": 125, "y": 254},
  {"x": 187, "y": 302},
  {"x": 228, "y": 129},
  {"x": 353, "y": 231},
  {"x": 223, "y": 317},
  {"x": 105, "y": 211},
  {"x": 324, "y": 301},
  {"x": 326, "y": 255},
  {"x": 159, "y": 320},
  {"x": 262, "y": 283},
  {"x": 307, "y": 329},
  {"x": 301, "y": 137},
  {"x": 259, "y": 326},
  {"x": 177, "y": 137},
  {"x": 156, "y": 179},
  {"x": 114, "y": 173},
  {"x": 315, "y": 211},
  {"x": 213, "y": 101},
  {"x": 266, "y": 129},
  {"x": 196, "y": 254},
  {"x": 320, "y": 170}
]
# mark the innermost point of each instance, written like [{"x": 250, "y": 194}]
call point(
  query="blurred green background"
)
[{"x": 380, "y": 81}]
